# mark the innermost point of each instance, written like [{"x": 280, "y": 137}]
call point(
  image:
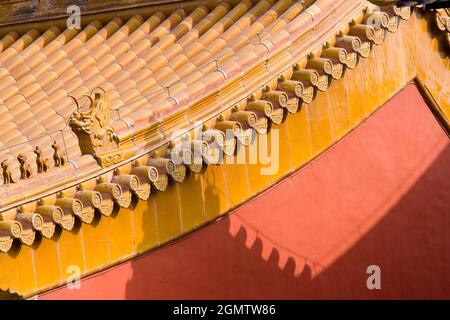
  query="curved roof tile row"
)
[
  {"x": 256, "y": 107},
  {"x": 133, "y": 60}
]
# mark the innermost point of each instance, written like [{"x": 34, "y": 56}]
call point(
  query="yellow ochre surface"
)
[{"x": 411, "y": 52}]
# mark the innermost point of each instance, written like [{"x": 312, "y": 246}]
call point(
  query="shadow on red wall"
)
[
  {"x": 380, "y": 197},
  {"x": 411, "y": 244},
  {"x": 237, "y": 257}
]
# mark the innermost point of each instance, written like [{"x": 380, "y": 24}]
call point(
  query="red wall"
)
[{"x": 381, "y": 196}]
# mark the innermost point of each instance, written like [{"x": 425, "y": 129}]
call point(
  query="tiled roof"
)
[
  {"x": 13, "y": 12},
  {"x": 132, "y": 59},
  {"x": 154, "y": 69}
]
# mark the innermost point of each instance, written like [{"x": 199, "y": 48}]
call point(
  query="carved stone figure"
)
[
  {"x": 7, "y": 173},
  {"x": 25, "y": 167},
  {"x": 42, "y": 164},
  {"x": 45, "y": 165},
  {"x": 92, "y": 126},
  {"x": 59, "y": 156}
]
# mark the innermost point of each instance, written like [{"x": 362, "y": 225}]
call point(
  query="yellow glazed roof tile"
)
[{"x": 150, "y": 69}]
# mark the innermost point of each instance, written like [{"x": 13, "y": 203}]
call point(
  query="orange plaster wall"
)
[{"x": 380, "y": 196}]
